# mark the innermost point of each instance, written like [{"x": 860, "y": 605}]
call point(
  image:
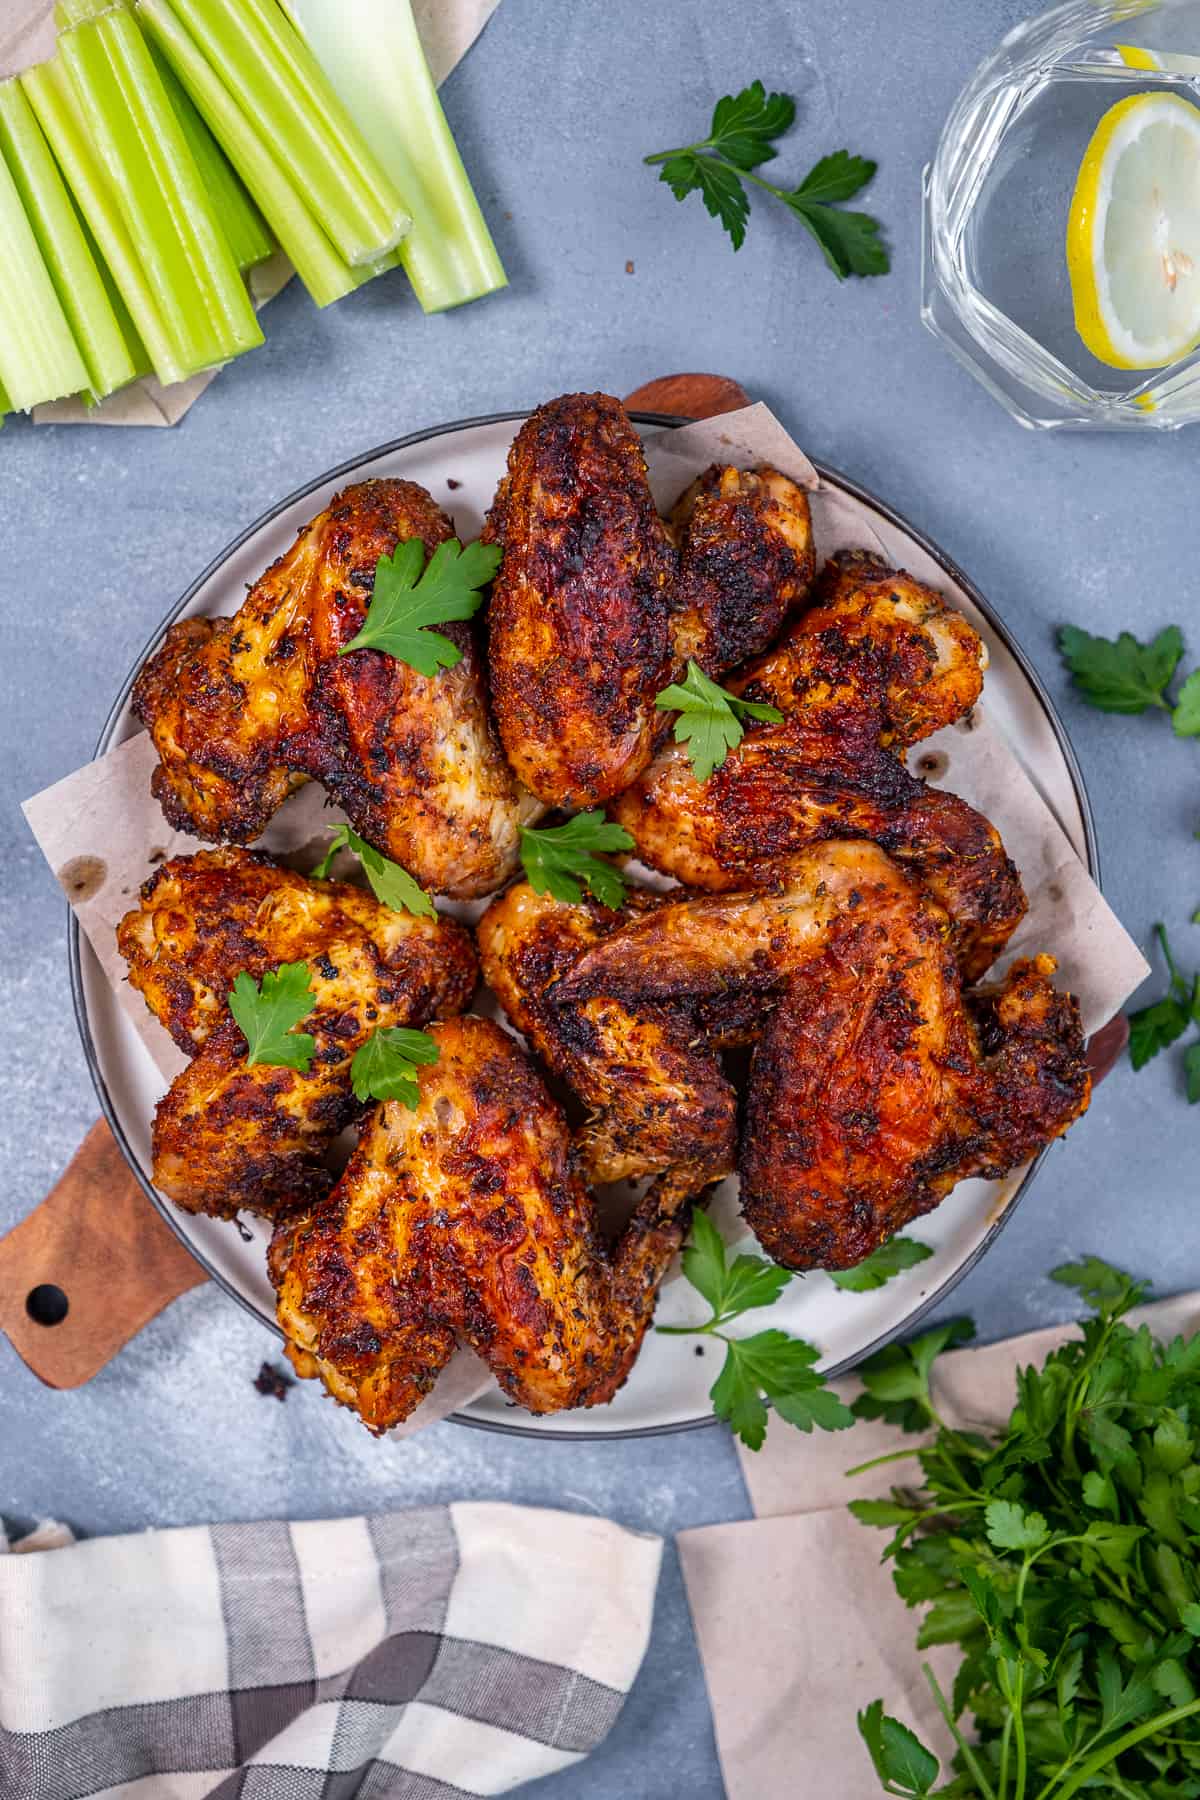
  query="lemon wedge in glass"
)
[{"x": 1133, "y": 235}]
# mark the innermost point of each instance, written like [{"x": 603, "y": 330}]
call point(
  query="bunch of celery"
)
[{"x": 170, "y": 146}]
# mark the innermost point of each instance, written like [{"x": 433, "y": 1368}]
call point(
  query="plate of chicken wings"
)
[{"x": 782, "y": 1011}]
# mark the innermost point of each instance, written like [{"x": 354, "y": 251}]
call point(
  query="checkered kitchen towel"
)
[{"x": 453, "y": 1651}]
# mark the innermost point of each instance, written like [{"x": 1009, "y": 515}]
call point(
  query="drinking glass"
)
[{"x": 995, "y": 287}]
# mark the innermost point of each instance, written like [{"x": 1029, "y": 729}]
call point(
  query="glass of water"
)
[{"x": 997, "y": 203}]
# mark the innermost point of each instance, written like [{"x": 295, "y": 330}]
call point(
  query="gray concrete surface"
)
[{"x": 100, "y": 530}]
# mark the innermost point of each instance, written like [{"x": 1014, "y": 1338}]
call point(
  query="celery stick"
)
[
  {"x": 139, "y": 355},
  {"x": 51, "y": 93},
  {"x": 39, "y": 359},
  {"x": 239, "y": 218},
  {"x": 275, "y": 79},
  {"x": 200, "y": 294},
  {"x": 325, "y": 274},
  {"x": 77, "y": 281},
  {"x": 372, "y": 55}
]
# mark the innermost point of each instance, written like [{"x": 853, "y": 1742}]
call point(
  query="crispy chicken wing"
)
[
  {"x": 658, "y": 1102},
  {"x": 879, "y": 663},
  {"x": 243, "y": 710},
  {"x": 593, "y": 613},
  {"x": 746, "y": 561},
  {"x": 229, "y": 1135},
  {"x": 468, "y": 1219},
  {"x": 875, "y": 1084}
]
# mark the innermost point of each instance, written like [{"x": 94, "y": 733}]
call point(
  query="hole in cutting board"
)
[{"x": 47, "y": 1304}]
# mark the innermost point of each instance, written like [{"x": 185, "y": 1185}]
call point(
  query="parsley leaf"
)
[
  {"x": 1010, "y": 1527},
  {"x": 391, "y": 884},
  {"x": 555, "y": 856},
  {"x": 769, "y": 1365},
  {"x": 896, "y": 1379},
  {"x": 876, "y": 1270},
  {"x": 902, "y": 1763},
  {"x": 385, "y": 1067},
  {"x": 709, "y": 721},
  {"x": 729, "y": 1288},
  {"x": 1185, "y": 716},
  {"x": 1121, "y": 675},
  {"x": 267, "y": 1013},
  {"x": 411, "y": 594},
  {"x": 1191, "y": 1072},
  {"x": 744, "y": 124},
  {"x": 718, "y": 187},
  {"x": 1101, "y": 1285},
  {"x": 1155, "y": 1027},
  {"x": 740, "y": 140}
]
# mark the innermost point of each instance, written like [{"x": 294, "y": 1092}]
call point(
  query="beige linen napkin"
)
[
  {"x": 453, "y": 1650},
  {"x": 798, "y": 1622},
  {"x": 447, "y": 29}
]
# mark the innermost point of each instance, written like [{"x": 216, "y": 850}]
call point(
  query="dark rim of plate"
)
[{"x": 835, "y": 479}]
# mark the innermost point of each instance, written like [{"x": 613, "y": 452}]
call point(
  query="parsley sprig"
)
[
  {"x": 1061, "y": 1555},
  {"x": 386, "y": 1066},
  {"x": 390, "y": 883},
  {"x": 876, "y": 1270},
  {"x": 770, "y": 1365},
  {"x": 267, "y": 1013},
  {"x": 1122, "y": 675},
  {"x": 411, "y": 594},
  {"x": 559, "y": 857},
  {"x": 738, "y": 142},
  {"x": 710, "y": 718},
  {"x": 1157, "y": 1026}
]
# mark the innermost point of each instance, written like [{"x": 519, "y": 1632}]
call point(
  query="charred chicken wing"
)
[
  {"x": 469, "y": 1220},
  {"x": 230, "y": 1135},
  {"x": 657, "y": 1100},
  {"x": 243, "y": 710},
  {"x": 877, "y": 664},
  {"x": 593, "y": 612},
  {"x": 875, "y": 1083}
]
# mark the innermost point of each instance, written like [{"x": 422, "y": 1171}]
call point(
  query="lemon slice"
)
[
  {"x": 1133, "y": 236},
  {"x": 1136, "y": 56}
]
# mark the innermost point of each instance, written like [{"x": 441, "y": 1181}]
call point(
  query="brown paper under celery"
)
[
  {"x": 447, "y": 30},
  {"x": 102, "y": 832}
]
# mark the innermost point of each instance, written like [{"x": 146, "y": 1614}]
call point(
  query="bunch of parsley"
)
[{"x": 1063, "y": 1557}]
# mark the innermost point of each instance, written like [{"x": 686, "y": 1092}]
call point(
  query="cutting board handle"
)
[
  {"x": 88, "y": 1267},
  {"x": 95, "y": 1262}
]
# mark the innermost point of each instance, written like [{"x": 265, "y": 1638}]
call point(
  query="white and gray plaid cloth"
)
[{"x": 432, "y": 1655}]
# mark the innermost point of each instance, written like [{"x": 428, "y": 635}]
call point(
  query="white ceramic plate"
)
[{"x": 668, "y": 1389}]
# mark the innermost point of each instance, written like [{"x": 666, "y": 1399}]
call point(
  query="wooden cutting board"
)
[{"x": 95, "y": 1261}]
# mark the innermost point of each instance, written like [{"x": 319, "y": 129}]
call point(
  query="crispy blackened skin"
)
[
  {"x": 468, "y": 1219},
  {"x": 580, "y": 617},
  {"x": 861, "y": 1116},
  {"x": 746, "y": 561},
  {"x": 243, "y": 710},
  {"x": 659, "y": 1103},
  {"x": 875, "y": 1085},
  {"x": 877, "y": 664},
  {"x": 229, "y": 1136},
  {"x": 593, "y": 613}
]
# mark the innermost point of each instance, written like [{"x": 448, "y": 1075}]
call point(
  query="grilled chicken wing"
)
[
  {"x": 229, "y": 1135},
  {"x": 875, "y": 1084},
  {"x": 658, "y": 1102},
  {"x": 879, "y": 663},
  {"x": 746, "y": 561},
  {"x": 243, "y": 710},
  {"x": 592, "y": 612},
  {"x": 468, "y": 1219}
]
